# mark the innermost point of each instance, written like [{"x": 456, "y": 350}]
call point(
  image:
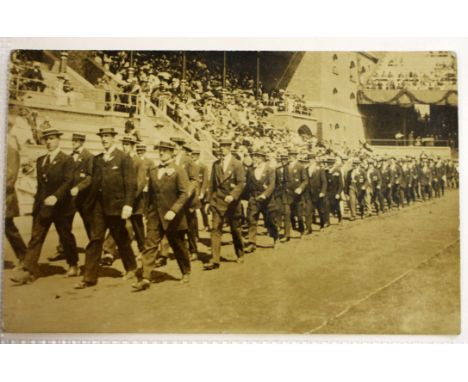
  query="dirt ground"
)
[{"x": 395, "y": 273}]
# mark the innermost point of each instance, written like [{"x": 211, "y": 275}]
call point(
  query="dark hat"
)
[
  {"x": 311, "y": 156},
  {"x": 140, "y": 148},
  {"x": 49, "y": 132},
  {"x": 356, "y": 161},
  {"x": 79, "y": 136},
  {"x": 292, "y": 151},
  {"x": 225, "y": 142},
  {"x": 165, "y": 145},
  {"x": 107, "y": 130},
  {"x": 188, "y": 148},
  {"x": 259, "y": 153},
  {"x": 178, "y": 140},
  {"x": 284, "y": 156},
  {"x": 196, "y": 151},
  {"x": 129, "y": 139}
]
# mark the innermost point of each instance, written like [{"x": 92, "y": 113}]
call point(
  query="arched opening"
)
[
  {"x": 335, "y": 91},
  {"x": 352, "y": 69},
  {"x": 304, "y": 130},
  {"x": 335, "y": 64},
  {"x": 352, "y": 96}
]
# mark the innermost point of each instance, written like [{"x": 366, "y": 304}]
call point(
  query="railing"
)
[
  {"x": 179, "y": 122},
  {"x": 104, "y": 100},
  {"x": 425, "y": 142},
  {"x": 294, "y": 108}
]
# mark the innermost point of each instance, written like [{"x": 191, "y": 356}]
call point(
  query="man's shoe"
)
[
  {"x": 72, "y": 271},
  {"x": 250, "y": 248},
  {"x": 276, "y": 244},
  {"x": 130, "y": 275},
  {"x": 107, "y": 259},
  {"x": 22, "y": 277},
  {"x": 285, "y": 239},
  {"x": 193, "y": 257},
  {"x": 141, "y": 285},
  {"x": 84, "y": 284},
  {"x": 210, "y": 266},
  {"x": 57, "y": 257},
  {"x": 160, "y": 262},
  {"x": 185, "y": 279},
  {"x": 240, "y": 260}
]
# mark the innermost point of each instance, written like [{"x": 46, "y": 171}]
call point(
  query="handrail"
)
[
  {"x": 423, "y": 142},
  {"x": 126, "y": 102}
]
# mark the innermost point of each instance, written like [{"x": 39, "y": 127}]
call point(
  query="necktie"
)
[{"x": 47, "y": 161}]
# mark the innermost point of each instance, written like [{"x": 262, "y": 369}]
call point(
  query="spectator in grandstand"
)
[{"x": 36, "y": 82}]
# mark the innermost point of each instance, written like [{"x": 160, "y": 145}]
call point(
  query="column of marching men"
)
[{"x": 122, "y": 196}]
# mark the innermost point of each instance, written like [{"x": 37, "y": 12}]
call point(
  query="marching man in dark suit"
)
[
  {"x": 297, "y": 185},
  {"x": 375, "y": 180},
  {"x": 113, "y": 189},
  {"x": 168, "y": 192},
  {"x": 203, "y": 180},
  {"x": 11, "y": 199},
  {"x": 260, "y": 187},
  {"x": 226, "y": 186},
  {"x": 317, "y": 190},
  {"x": 52, "y": 204},
  {"x": 335, "y": 187},
  {"x": 137, "y": 228},
  {"x": 83, "y": 160},
  {"x": 283, "y": 194}
]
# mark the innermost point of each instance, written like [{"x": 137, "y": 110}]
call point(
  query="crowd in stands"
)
[
  {"x": 197, "y": 99},
  {"x": 398, "y": 74}
]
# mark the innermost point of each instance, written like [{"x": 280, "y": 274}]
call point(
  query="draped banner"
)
[{"x": 405, "y": 97}]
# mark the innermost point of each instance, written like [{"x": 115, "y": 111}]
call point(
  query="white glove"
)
[
  {"x": 74, "y": 191},
  {"x": 170, "y": 215},
  {"x": 126, "y": 212},
  {"x": 298, "y": 190},
  {"x": 50, "y": 200},
  {"x": 228, "y": 199},
  {"x": 321, "y": 195}
]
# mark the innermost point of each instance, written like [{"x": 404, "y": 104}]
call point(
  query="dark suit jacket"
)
[
  {"x": 141, "y": 171},
  {"x": 297, "y": 177},
  {"x": 317, "y": 183},
  {"x": 82, "y": 175},
  {"x": 263, "y": 187},
  {"x": 54, "y": 179},
  {"x": 335, "y": 182},
  {"x": 375, "y": 178},
  {"x": 283, "y": 192},
  {"x": 356, "y": 181},
  {"x": 425, "y": 176},
  {"x": 113, "y": 183},
  {"x": 222, "y": 184},
  {"x": 13, "y": 166},
  {"x": 168, "y": 193}
]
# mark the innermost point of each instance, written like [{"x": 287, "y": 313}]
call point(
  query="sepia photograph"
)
[{"x": 231, "y": 192}]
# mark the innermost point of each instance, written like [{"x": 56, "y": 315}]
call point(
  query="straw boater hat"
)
[
  {"x": 165, "y": 145},
  {"x": 79, "y": 136},
  {"x": 129, "y": 139},
  {"x": 225, "y": 142},
  {"x": 259, "y": 153},
  {"x": 141, "y": 148},
  {"x": 106, "y": 130},
  {"x": 51, "y": 132},
  {"x": 179, "y": 140}
]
